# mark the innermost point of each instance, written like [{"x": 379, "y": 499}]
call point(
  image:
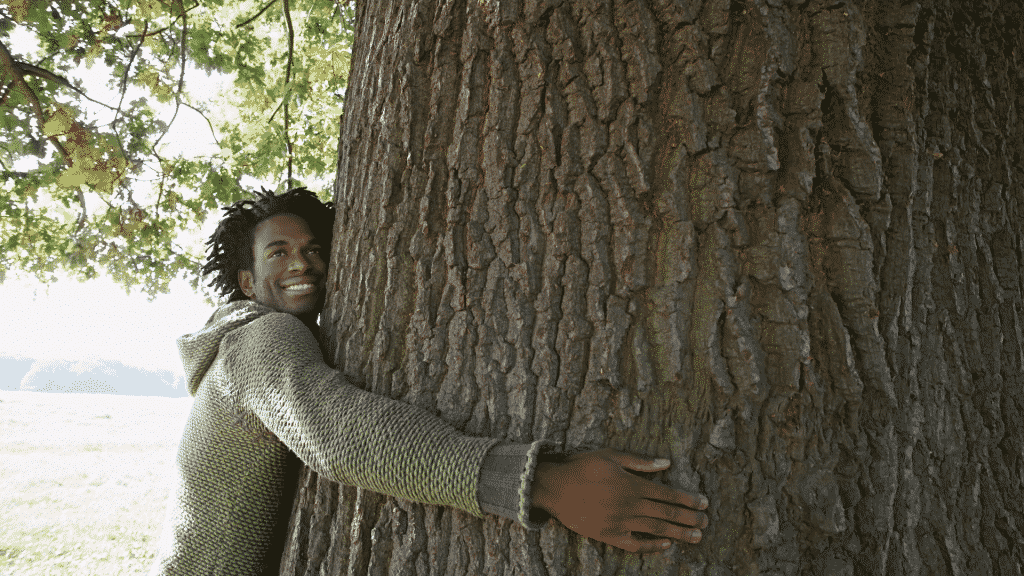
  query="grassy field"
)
[{"x": 85, "y": 481}]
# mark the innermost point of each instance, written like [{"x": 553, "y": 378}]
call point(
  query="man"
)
[{"x": 263, "y": 392}]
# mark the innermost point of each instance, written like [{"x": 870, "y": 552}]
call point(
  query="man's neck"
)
[{"x": 310, "y": 320}]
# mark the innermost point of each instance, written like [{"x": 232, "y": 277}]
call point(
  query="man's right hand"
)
[{"x": 593, "y": 495}]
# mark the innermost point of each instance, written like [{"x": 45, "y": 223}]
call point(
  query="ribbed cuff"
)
[{"x": 506, "y": 476}]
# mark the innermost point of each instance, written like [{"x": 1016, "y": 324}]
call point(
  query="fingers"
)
[
  {"x": 674, "y": 514},
  {"x": 632, "y": 543},
  {"x": 638, "y": 463},
  {"x": 657, "y": 491},
  {"x": 668, "y": 494},
  {"x": 641, "y": 546},
  {"x": 660, "y": 529}
]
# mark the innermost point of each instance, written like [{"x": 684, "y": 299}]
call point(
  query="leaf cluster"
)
[{"x": 91, "y": 183}]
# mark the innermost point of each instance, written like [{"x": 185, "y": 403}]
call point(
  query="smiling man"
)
[
  {"x": 288, "y": 270},
  {"x": 264, "y": 395}
]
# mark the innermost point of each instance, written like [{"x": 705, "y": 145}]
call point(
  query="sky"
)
[{"x": 78, "y": 320}]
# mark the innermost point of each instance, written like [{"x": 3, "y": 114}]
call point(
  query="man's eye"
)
[{"x": 276, "y": 252}]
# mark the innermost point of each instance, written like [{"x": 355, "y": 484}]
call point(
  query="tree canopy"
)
[{"x": 60, "y": 146}]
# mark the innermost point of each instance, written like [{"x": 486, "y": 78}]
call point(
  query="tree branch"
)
[
  {"x": 124, "y": 90},
  {"x": 131, "y": 59},
  {"x": 257, "y": 15},
  {"x": 181, "y": 75},
  {"x": 33, "y": 70},
  {"x": 165, "y": 28},
  {"x": 184, "y": 50},
  {"x": 201, "y": 113},
  {"x": 82, "y": 216},
  {"x": 159, "y": 199},
  {"x": 11, "y": 67},
  {"x": 8, "y": 173},
  {"x": 287, "y": 80}
]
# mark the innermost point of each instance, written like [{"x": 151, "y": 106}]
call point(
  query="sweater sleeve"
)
[
  {"x": 352, "y": 436},
  {"x": 506, "y": 478}
]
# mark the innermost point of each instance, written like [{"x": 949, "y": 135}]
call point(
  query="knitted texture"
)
[
  {"x": 261, "y": 389},
  {"x": 506, "y": 476}
]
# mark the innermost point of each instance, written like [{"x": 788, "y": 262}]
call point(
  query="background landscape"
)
[
  {"x": 91, "y": 474},
  {"x": 88, "y": 375}
]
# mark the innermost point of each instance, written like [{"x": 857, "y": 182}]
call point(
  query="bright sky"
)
[{"x": 96, "y": 319}]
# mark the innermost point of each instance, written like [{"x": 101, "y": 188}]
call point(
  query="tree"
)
[
  {"x": 777, "y": 242},
  {"x": 288, "y": 61}
]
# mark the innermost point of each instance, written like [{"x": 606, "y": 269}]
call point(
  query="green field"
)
[{"x": 86, "y": 481}]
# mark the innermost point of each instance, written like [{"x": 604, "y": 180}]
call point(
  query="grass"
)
[{"x": 90, "y": 476}]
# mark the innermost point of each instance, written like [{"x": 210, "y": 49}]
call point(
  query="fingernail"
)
[
  {"x": 703, "y": 502},
  {"x": 694, "y": 535},
  {"x": 661, "y": 462},
  {"x": 666, "y": 544}
]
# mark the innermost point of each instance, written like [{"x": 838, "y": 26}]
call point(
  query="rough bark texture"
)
[{"x": 778, "y": 242}]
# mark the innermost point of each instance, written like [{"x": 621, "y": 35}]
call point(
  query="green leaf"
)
[{"x": 109, "y": 162}]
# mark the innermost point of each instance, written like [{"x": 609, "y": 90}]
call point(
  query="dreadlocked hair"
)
[{"x": 230, "y": 246}]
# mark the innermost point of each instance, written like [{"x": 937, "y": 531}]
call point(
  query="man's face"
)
[{"x": 288, "y": 270}]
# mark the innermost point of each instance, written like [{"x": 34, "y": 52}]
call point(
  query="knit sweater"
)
[{"x": 262, "y": 392}]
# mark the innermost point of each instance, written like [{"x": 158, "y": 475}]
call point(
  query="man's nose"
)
[{"x": 298, "y": 262}]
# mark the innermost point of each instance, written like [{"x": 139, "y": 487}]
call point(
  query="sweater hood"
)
[{"x": 199, "y": 349}]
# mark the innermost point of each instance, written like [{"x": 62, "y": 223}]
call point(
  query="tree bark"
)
[{"x": 777, "y": 242}]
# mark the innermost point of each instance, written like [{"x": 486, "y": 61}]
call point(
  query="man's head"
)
[{"x": 274, "y": 250}]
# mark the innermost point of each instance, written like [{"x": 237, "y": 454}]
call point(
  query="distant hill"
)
[
  {"x": 96, "y": 376},
  {"x": 12, "y": 370}
]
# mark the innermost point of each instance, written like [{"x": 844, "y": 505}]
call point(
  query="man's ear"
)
[{"x": 245, "y": 282}]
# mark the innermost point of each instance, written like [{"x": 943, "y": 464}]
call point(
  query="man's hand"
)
[{"x": 593, "y": 495}]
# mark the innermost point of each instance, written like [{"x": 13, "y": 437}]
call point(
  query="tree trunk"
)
[{"x": 776, "y": 242}]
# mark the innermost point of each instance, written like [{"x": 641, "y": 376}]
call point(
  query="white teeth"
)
[{"x": 299, "y": 287}]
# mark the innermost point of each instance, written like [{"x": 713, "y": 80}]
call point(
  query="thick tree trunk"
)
[{"x": 777, "y": 242}]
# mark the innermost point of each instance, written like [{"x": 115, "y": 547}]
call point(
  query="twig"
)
[
  {"x": 177, "y": 99},
  {"x": 184, "y": 46},
  {"x": 287, "y": 80},
  {"x": 212, "y": 131},
  {"x": 155, "y": 32},
  {"x": 48, "y": 57},
  {"x": 181, "y": 76},
  {"x": 287, "y": 91},
  {"x": 257, "y": 15},
  {"x": 124, "y": 90},
  {"x": 33, "y": 70},
  {"x": 8, "y": 173},
  {"x": 131, "y": 60},
  {"x": 12, "y": 173},
  {"x": 120, "y": 101},
  {"x": 82, "y": 216},
  {"x": 159, "y": 199}
]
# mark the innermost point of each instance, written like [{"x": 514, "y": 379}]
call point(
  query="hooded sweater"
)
[{"x": 263, "y": 392}]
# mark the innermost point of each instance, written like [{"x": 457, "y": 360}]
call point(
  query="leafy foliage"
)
[{"x": 276, "y": 125}]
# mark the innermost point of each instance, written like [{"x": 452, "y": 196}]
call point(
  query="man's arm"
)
[
  {"x": 275, "y": 370},
  {"x": 364, "y": 439}
]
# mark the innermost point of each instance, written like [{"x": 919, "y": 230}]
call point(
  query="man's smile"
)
[
  {"x": 300, "y": 286},
  {"x": 299, "y": 289}
]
